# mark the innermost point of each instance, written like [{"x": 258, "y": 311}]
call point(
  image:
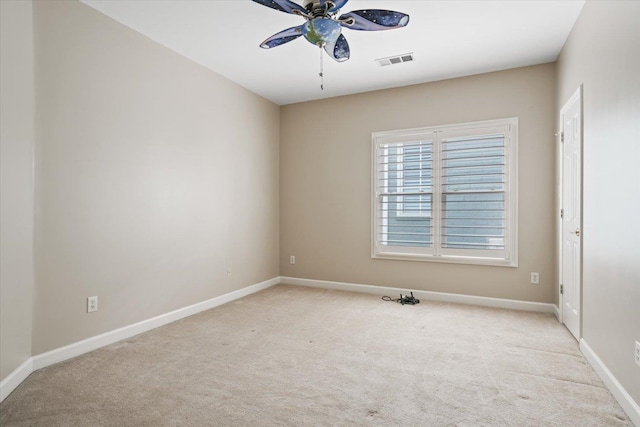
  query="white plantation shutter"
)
[
  {"x": 446, "y": 193},
  {"x": 404, "y": 187}
]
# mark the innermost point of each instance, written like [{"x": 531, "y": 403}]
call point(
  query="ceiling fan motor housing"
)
[{"x": 316, "y": 10}]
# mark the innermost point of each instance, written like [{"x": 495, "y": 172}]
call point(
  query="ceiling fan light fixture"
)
[{"x": 321, "y": 31}]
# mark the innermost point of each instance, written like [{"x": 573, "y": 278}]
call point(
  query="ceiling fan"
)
[{"x": 323, "y": 26}]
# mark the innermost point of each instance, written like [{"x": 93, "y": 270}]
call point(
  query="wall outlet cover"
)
[{"x": 92, "y": 304}]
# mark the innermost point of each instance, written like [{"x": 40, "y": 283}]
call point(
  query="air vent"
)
[{"x": 398, "y": 59}]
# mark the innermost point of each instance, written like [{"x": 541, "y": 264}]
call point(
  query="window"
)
[{"x": 446, "y": 193}]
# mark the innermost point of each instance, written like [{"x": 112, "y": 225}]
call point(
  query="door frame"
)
[{"x": 577, "y": 95}]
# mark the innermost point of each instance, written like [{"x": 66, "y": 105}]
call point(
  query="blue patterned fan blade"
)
[
  {"x": 282, "y": 5},
  {"x": 374, "y": 20},
  {"x": 338, "y": 50},
  {"x": 282, "y": 37}
]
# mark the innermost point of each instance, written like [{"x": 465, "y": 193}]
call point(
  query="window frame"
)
[{"x": 508, "y": 126}]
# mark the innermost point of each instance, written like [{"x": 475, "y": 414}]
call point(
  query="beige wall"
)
[
  {"x": 155, "y": 175},
  {"x": 603, "y": 54},
  {"x": 325, "y": 202},
  {"x": 17, "y": 111}
]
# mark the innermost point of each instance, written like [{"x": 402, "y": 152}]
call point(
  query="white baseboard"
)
[
  {"x": 427, "y": 295},
  {"x": 49, "y": 358},
  {"x": 617, "y": 390},
  {"x": 556, "y": 311},
  {"x": 15, "y": 378}
]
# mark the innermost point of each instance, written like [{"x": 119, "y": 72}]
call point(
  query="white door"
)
[{"x": 571, "y": 254}]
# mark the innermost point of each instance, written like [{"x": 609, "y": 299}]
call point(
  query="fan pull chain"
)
[{"x": 321, "y": 70}]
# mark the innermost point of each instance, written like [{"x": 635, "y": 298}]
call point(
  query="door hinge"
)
[
  {"x": 561, "y": 135},
  {"x": 561, "y": 289},
  {"x": 562, "y": 213}
]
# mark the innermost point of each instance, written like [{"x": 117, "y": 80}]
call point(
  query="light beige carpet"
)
[{"x": 301, "y": 356}]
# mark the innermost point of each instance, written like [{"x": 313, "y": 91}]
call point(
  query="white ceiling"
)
[{"x": 448, "y": 39}]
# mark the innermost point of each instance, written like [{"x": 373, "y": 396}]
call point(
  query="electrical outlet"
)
[
  {"x": 228, "y": 272},
  {"x": 638, "y": 353},
  {"x": 292, "y": 259},
  {"x": 535, "y": 278},
  {"x": 92, "y": 304}
]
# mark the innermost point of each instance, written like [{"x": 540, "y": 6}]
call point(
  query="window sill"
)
[{"x": 447, "y": 259}]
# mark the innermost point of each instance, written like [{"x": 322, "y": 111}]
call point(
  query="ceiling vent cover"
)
[{"x": 398, "y": 59}]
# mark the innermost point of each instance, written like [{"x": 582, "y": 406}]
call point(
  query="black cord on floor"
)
[{"x": 410, "y": 300}]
